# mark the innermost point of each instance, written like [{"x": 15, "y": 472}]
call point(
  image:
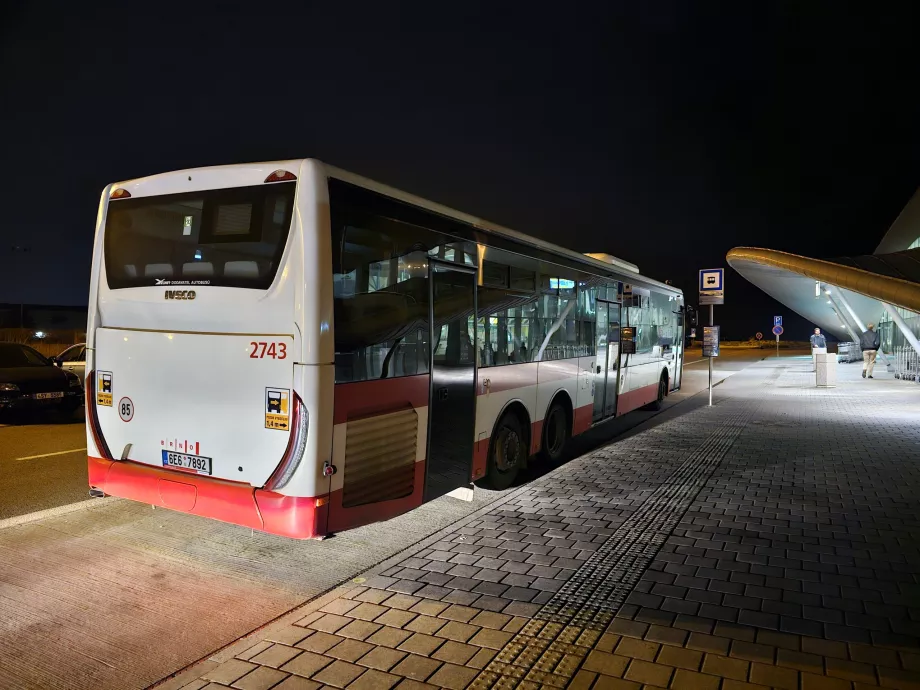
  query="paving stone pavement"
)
[{"x": 772, "y": 540}]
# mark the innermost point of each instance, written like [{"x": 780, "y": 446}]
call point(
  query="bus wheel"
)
[
  {"x": 662, "y": 391},
  {"x": 555, "y": 433},
  {"x": 507, "y": 452}
]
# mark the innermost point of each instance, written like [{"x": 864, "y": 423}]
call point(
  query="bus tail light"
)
[
  {"x": 297, "y": 444},
  {"x": 281, "y": 176},
  {"x": 92, "y": 416},
  {"x": 120, "y": 194}
]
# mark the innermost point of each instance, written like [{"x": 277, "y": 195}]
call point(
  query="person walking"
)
[
  {"x": 869, "y": 342},
  {"x": 818, "y": 347}
]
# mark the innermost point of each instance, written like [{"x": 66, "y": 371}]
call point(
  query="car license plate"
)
[
  {"x": 190, "y": 463},
  {"x": 48, "y": 396}
]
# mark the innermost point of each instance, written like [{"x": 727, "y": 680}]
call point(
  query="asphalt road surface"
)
[{"x": 92, "y": 587}]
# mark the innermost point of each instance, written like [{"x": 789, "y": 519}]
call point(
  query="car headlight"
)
[
  {"x": 74, "y": 382},
  {"x": 8, "y": 387}
]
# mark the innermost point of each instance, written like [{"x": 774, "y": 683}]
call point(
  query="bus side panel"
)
[
  {"x": 499, "y": 388},
  {"x": 638, "y": 383},
  {"x": 534, "y": 385},
  {"x": 379, "y": 448},
  {"x": 584, "y": 401},
  {"x": 314, "y": 304}
]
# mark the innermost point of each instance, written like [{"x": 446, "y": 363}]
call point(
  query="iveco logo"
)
[{"x": 180, "y": 294}]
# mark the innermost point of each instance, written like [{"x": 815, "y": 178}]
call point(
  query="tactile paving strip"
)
[{"x": 550, "y": 648}]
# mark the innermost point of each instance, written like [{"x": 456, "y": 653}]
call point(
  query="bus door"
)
[
  {"x": 678, "y": 350},
  {"x": 452, "y": 406},
  {"x": 608, "y": 355},
  {"x": 613, "y": 360}
]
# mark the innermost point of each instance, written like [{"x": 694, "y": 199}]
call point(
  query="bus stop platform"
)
[{"x": 771, "y": 540}]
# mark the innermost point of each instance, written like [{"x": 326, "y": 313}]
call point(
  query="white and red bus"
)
[{"x": 293, "y": 348}]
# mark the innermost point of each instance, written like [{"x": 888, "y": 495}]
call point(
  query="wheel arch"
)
[{"x": 562, "y": 396}]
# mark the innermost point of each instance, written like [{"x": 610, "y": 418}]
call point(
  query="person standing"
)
[
  {"x": 869, "y": 342},
  {"x": 818, "y": 347}
]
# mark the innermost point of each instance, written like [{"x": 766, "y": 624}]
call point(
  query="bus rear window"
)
[{"x": 224, "y": 237}]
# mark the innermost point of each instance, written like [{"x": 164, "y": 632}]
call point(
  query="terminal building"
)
[{"x": 841, "y": 296}]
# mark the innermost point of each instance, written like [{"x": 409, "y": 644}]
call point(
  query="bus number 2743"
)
[{"x": 263, "y": 350}]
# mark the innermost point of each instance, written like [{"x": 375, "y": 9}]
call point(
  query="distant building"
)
[{"x": 842, "y": 295}]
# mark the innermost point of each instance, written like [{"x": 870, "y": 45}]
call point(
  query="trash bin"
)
[{"x": 825, "y": 370}]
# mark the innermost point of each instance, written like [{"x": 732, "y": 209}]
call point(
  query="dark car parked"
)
[{"x": 29, "y": 381}]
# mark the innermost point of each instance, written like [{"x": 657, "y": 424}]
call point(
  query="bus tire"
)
[
  {"x": 655, "y": 406},
  {"x": 556, "y": 433},
  {"x": 507, "y": 453}
]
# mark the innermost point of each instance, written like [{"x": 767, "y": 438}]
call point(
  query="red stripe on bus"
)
[
  {"x": 366, "y": 398},
  {"x": 536, "y": 437},
  {"x": 581, "y": 423},
  {"x": 583, "y": 419},
  {"x": 341, "y": 518},
  {"x": 239, "y": 504},
  {"x": 633, "y": 400},
  {"x": 480, "y": 458}
]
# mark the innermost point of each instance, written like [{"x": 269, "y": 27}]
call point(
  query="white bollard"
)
[{"x": 825, "y": 370}]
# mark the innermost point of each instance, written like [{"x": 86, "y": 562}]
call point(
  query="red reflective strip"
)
[
  {"x": 367, "y": 398},
  {"x": 233, "y": 502}
]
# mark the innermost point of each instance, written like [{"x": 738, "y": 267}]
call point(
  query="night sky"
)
[{"x": 662, "y": 132}]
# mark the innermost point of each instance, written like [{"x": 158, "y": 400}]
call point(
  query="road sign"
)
[
  {"x": 710, "y": 341},
  {"x": 777, "y": 331},
  {"x": 712, "y": 286},
  {"x": 777, "y": 320},
  {"x": 759, "y": 336}
]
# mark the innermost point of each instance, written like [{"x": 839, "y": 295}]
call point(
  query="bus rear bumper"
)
[{"x": 297, "y": 517}]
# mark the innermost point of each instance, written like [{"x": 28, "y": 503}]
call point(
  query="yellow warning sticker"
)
[
  {"x": 104, "y": 388},
  {"x": 277, "y": 409}
]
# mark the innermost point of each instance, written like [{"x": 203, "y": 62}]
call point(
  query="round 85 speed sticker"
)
[{"x": 126, "y": 409}]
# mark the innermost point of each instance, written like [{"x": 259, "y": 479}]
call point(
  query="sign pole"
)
[
  {"x": 777, "y": 344},
  {"x": 712, "y": 292},
  {"x": 710, "y": 360}
]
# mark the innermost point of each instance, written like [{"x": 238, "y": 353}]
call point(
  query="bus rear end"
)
[{"x": 203, "y": 374}]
